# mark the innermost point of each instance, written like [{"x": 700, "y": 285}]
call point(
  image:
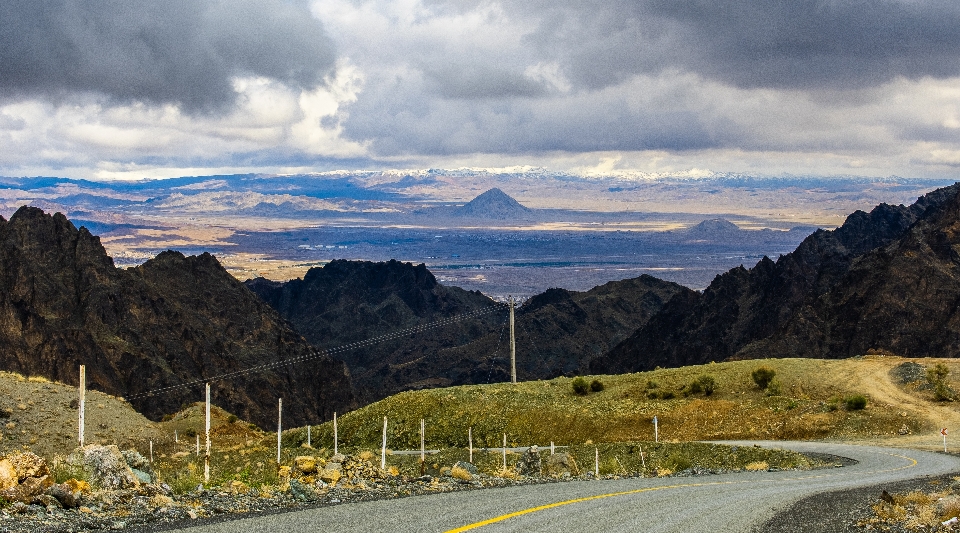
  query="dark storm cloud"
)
[
  {"x": 180, "y": 51},
  {"x": 754, "y": 43}
]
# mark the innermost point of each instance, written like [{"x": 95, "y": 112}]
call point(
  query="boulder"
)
[
  {"x": 8, "y": 475},
  {"x": 301, "y": 492},
  {"x": 469, "y": 467},
  {"x": 105, "y": 466},
  {"x": 68, "y": 495},
  {"x": 305, "y": 464},
  {"x": 28, "y": 464},
  {"x": 529, "y": 464},
  {"x": 135, "y": 460},
  {"x": 28, "y": 490},
  {"x": 331, "y": 473},
  {"x": 142, "y": 476},
  {"x": 559, "y": 464}
]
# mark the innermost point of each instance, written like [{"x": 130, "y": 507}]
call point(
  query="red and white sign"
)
[{"x": 943, "y": 431}]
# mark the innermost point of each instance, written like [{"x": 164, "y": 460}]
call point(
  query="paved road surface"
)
[{"x": 720, "y": 503}]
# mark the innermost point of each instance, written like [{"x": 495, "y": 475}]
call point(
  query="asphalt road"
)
[{"x": 729, "y": 503}]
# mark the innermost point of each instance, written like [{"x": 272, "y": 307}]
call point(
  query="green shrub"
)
[
  {"x": 762, "y": 376},
  {"x": 661, "y": 395},
  {"x": 651, "y": 384},
  {"x": 937, "y": 376},
  {"x": 231, "y": 419},
  {"x": 774, "y": 388},
  {"x": 855, "y": 402},
  {"x": 596, "y": 385},
  {"x": 580, "y": 386},
  {"x": 190, "y": 433},
  {"x": 707, "y": 383},
  {"x": 678, "y": 462}
]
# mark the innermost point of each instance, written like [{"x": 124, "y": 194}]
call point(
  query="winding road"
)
[{"x": 729, "y": 502}]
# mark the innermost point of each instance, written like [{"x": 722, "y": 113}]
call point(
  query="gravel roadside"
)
[{"x": 839, "y": 511}]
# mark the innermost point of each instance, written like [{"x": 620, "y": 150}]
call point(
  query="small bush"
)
[
  {"x": 708, "y": 384},
  {"x": 938, "y": 373},
  {"x": 774, "y": 388},
  {"x": 580, "y": 386},
  {"x": 661, "y": 395},
  {"x": 231, "y": 419},
  {"x": 190, "y": 432},
  {"x": 855, "y": 402},
  {"x": 678, "y": 462},
  {"x": 762, "y": 376},
  {"x": 167, "y": 417},
  {"x": 596, "y": 385},
  {"x": 651, "y": 384}
]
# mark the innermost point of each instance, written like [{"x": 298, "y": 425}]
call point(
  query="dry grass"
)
[{"x": 757, "y": 466}]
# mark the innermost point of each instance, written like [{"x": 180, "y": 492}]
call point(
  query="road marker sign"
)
[{"x": 943, "y": 431}]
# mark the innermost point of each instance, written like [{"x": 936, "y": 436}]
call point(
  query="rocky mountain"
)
[
  {"x": 155, "y": 327},
  {"x": 886, "y": 280},
  {"x": 494, "y": 204},
  {"x": 558, "y": 332}
]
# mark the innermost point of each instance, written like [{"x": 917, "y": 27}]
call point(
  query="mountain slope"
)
[
  {"x": 172, "y": 320},
  {"x": 790, "y": 307},
  {"x": 558, "y": 332}
]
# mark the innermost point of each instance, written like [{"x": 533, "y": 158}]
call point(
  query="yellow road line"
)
[{"x": 501, "y": 518}]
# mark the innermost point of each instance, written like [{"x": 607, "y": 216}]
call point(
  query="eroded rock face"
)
[{"x": 168, "y": 321}]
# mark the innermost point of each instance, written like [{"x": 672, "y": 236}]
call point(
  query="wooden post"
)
[
  {"x": 470, "y": 442},
  {"x": 279, "y": 428},
  {"x": 596, "y": 462},
  {"x": 335, "y": 433},
  {"x": 551, "y": 448},
  {"x": 206, "y": 458},
  {"x": 423, "y": 430},
  {"x": 198, "y": 445},
  {"x": 151, "y": 454},
  {"x": 383, "y": 448},
  {"x": 513, "y": 348},
  {"x": 308, "y": 437},
  {"x": 176, "y": 438},
  {"x": 83, "y": 399},
  {"x": 504, "y": 452},
  {"x": 642, "y": 460},
  {"x": 656, "y": 430}
]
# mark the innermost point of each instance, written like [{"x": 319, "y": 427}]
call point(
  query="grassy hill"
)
[{"x": 807, "y": 400}]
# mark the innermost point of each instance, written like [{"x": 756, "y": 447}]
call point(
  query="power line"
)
[{"x": 321, "y": 353}]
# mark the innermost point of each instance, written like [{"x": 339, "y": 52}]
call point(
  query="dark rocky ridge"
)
[
  {"x": 558, "y": 332},
  {"x": 885, "y": 280},
  {"x": 171, "y": 320}
]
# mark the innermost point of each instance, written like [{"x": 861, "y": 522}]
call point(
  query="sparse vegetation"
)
[
  {"x": 855, "y": 402},
  {"x": 580, "y": 386},
  {"x": 774, "y": 388},
  {"x": 596, "y": 385},
  {"x": 763, "y": 376},
  {"x": 937, "y": 377}
]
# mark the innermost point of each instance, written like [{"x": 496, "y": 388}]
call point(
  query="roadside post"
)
[
  {"x": 943, "y": 431},
  {"x": 383, "y": 448},
  {"x": 335, "y": 452},
  {"x": 470, "y": 442},
  {"x": 279, "y": 427},
  {"x": 656, "y": 430},
  {"x": 83, "y": 399},
  {"x": 504, "y": 452},
  {"x": 308, "y": 437},
  {"x": 206, "y": 458}
]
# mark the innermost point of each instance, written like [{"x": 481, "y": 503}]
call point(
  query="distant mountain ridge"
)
[
  {"x": 167, "y": 322},
  {"x": 883, "y": 280}
]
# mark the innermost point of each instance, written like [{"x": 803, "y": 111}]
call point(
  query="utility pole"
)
[{"x": 513, "y": 348}]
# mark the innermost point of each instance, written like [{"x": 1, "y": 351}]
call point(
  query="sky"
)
[{"x": 144, "y": 89}]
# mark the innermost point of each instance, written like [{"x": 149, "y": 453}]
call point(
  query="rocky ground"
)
[{"x": 122, "y": 494}]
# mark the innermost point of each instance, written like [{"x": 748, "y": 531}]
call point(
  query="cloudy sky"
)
[{"x": 131, "y": 88}]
